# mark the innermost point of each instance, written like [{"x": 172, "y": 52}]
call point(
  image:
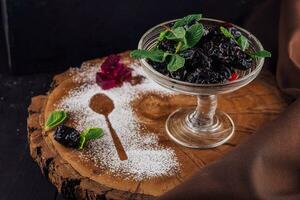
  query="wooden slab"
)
[{"x": 250, "y": 107}]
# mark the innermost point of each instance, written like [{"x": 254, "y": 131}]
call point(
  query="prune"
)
[
  {"x": 180, "y": 74},
  {"x": 160, "y": 67},
  {"x": 195, "y": 58},
  {"x": 208, "y": 76},
  {"x": 67, "y": 136},
  {"x": 167, "y": 45}
]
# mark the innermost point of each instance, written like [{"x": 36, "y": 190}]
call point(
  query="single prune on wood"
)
[{"x": 67, "y": 136}]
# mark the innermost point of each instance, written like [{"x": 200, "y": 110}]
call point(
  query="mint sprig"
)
[
  {"x": 90, "y": 134},
  {"x": 261, "y": 54},
  {"x": 243, "y": 42},
  {"x": 187, "y": 20},
  {"x": 186, "y": 37},
  {"x": 174, "y": 61},
  {"x": 55, "y": 118},
  {"x": 176, "y": 34},
  {"x": 193, "y": 35},
  {"x": 154, "y": 55},
  {"x": 227, "y": 33}
]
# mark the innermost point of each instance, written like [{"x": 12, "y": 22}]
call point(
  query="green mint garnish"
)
[
  {"x": 176, "y": 62},
  {"x": 186, "y": 37},
  {"x": 56, "y": 118},
  {"x": 90, "y": 134},
  {"x": 163, "y": 34},
  {"x": 154, "y": 55},
  {"x": 193, "y": 35},
  {"x": 187, "y": 20},
  {"x": 261, "y": 54},
  {"x": 227, "y": 33},
  {"x": 176, "y": 34},
  {"x": 243, "y": 42}
]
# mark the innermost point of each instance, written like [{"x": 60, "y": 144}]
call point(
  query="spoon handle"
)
[{"x": 119, "y": 147}]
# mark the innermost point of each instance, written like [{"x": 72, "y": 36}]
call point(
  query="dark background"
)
[
  {"x": 41, "y": 37},
  {"x": 51, "y": 35}
]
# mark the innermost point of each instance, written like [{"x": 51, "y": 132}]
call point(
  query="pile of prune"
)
[
  {"x": 67, "y": 136},
  {"x": 214, "y": 59}
]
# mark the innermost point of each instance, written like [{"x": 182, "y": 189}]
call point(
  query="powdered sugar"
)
[{"x": 146, "y": 158}]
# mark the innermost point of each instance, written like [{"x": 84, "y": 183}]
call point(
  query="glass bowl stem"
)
[{"x": 203, "y": 116}]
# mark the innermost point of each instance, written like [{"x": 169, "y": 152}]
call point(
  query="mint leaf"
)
[
  {"x": 93, "y": 133},
  {"x": 176, "y": 34},
  {"x": 154, "y": 55},
  {"x": 187, "y": 20},
  {"x": 55, "y": 118},
  {"x": 82, "y": 141},
  {"x": 243, "y": 42},
  {"x": 163, "y": 34},
  {"x": 261, "y": 54},
  {"x": 193, "y": 35},
  {"x": 227, "y": 33},
  {"x": 90, "y": 134},
  {"x": 176, "y": 62}
]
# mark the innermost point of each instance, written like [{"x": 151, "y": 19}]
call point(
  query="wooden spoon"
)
[{"x": 102, "y": 104}]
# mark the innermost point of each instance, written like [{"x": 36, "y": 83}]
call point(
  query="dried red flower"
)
[
  {"x": 112, "y": 73},
  {"x": 233, "y": 76}
]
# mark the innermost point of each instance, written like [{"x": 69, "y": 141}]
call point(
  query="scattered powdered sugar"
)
[
  {"x": 85, "y": 74},
  {"x": 146, "y": 158}
]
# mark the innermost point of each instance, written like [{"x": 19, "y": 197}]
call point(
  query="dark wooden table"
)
[{"x": 20, "y": 177}]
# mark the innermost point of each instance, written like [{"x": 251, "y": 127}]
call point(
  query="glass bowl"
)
[{"x": 204, "y": 126}]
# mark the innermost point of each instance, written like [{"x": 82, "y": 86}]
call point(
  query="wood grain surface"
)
[{"x": 250, "y": 107}]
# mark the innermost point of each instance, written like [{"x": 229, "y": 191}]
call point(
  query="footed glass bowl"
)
[{"x": 204, "y": 126}]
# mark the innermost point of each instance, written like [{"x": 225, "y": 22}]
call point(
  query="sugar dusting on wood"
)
[{"x": 146, "y": 158}]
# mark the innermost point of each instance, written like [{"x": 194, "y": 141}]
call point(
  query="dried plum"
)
[
  {"x": 167, "y": 45},
  {"x": 195, "y": 58},
  {"x": 67, "y": 136}
]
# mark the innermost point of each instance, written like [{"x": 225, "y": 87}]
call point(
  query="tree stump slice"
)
[{"x": 250, "y": 107}]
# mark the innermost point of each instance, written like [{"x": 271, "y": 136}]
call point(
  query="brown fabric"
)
[
  {"x": 267, "y": 165},
  {"x": 288, "y": 70}
]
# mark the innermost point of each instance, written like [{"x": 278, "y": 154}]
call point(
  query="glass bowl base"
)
[{"x": 203, "y": 137}]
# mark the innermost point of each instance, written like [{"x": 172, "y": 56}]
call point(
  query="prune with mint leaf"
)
[
  {"x": 67, "y": 136},
  {"x": 242, "y": 61},
  {"x": 225, "y": 50},
  {"x": 235, "y": 32}
]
